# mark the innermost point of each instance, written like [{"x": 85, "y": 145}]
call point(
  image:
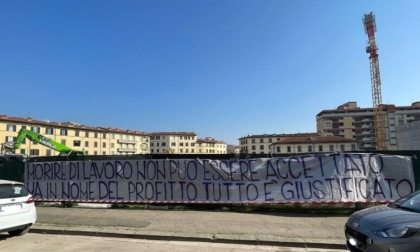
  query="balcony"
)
[
  {"x": 368, "y": 146},
  {"x": 127, "y": 141},
  {"x": 126, "y": 150}
]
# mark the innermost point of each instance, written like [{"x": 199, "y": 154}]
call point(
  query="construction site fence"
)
[{"x": 12, "y": 167}]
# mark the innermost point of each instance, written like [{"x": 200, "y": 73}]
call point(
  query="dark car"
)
[{"x": 389, "y": 228}]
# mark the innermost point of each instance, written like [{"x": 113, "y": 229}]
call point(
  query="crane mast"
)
[{"x": 372, "y": 50}]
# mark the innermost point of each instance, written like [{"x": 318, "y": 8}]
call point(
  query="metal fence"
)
[{"x": 12, "y": 167}]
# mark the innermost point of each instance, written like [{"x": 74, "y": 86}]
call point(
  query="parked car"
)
[
  {"x": 391, "y": 228},
  {"x": 17, "y": 208}
]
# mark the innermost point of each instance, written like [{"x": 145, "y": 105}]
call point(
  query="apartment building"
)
[
  {"x": 408, "y": 136},
  {"x": 261, "y": 144},
  {"x": 172, "y": 142},
  {"x": 352, "y": 122},
  {"x": 313, "y": 144},
  {"x": 91, "y": 140},
  {"x": 210, "y": 145}
]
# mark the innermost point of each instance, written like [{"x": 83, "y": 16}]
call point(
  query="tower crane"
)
[{"x": 372, "y": 49}]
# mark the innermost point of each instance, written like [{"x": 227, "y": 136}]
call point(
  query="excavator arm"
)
[{"x": 38, "y": 138}]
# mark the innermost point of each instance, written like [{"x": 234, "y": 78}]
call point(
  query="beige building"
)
[
  {"x": 261, "y": 144},
  {"x": 352, "y": 122},
  {"x": 313, "y": 144},
  {"x": 173, "y": 142},
  {"x": 91, "y": 140},
  {"x": 104, "y": 141},
  {"x": 210, "y": 145}
]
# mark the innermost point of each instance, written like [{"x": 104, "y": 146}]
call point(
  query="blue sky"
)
[{"x": 222, "y": 69}]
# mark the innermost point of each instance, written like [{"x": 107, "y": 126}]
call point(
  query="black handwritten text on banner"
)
[{"x": 314, "y": 178}]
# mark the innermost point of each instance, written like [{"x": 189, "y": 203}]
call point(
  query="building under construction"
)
[{"x": 352, "y": 122}]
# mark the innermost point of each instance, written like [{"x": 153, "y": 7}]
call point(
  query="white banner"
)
[{"x": 311, "y": 178}]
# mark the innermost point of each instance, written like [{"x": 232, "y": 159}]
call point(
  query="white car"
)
[{"x": 17, "y": 208}]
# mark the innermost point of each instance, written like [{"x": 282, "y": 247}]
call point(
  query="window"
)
[
  {"x": 49, "y": 131},
  {"x": 48, "y": 152},
  {"x": 299, "y": 148},
  {"x": 63, "y": 141},
  {"x": 103, "y": 153},
  {"x": 86, "y": 143},
  {"x": 86, "y": 134},
  {"x": 76, "y": 143},
  {"x": 309, "y": 148},
  {"x": 10, "y": 139},
  {"x": 181, "y": 144},
  {"x": 261, "y": 147},
  {"x": 112, "y": 145},
  {"x": 112, "y": 136},
  {"x": 35, "y": 129},
  {"x": 173, "y": 144},
  {"x": 34, "y": 152},
  {"x": 96, "y": 134},
  {"x": 63, "y": 132},
  {"x": 11, "y": 127},
  {"x": 353, "y": 147},
  {"x": 253, "y": 147},
  {"x": 320, "y": 148},
  {"x": 76, "y": 133},
  {"x": 278, "y": 149},
  {"x": 270, "y": 140},
  {"x": 163, "y": 144},
  {"x": 331, "y": 147},
  {"x": 104, "y": 135},
  {"x": 103, "y": 145},
  {"x": 8, "y": 191},
  {"x": 253, "y": 141},
  {"x": 95, "y": 144},
  {"x": 289, "y": 149},
  {"x": 22, "y": 151},
  {"x": 261, "y": 140},
  {"x": 342, "y": 147}
]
